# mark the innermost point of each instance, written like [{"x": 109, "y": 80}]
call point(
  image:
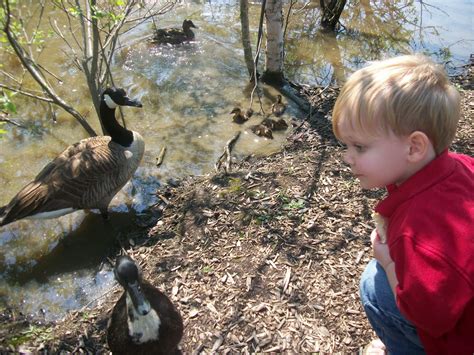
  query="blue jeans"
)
[{"x": 397, "y": 333}]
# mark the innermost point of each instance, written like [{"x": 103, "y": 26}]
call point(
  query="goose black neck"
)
[{"x": 119, "y": 134}]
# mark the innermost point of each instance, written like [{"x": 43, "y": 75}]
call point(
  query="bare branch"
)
[
  {"x": 4, "y": 118},
  {"x": 26, "y": 93},
  {"x": 35, "y": 72}
]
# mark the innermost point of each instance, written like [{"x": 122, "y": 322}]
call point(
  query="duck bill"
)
[
  {"x": 140, "y": 303},
  {"x": 134, "y": 103}
]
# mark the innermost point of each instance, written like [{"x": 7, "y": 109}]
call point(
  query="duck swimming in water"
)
[
  {"x": 278, "y": 108},
  {"x": 240, "y": 117},
  {"x": 175, "y": 35},
  {"x": 275, "y": 125},
  {"x": 88, "y": 174},
  {"x": 143, "y": 321},
  {"x": 262, "y": 130}
]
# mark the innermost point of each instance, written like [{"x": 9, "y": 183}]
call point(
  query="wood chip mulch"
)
[{"x": 264, "y": 259}]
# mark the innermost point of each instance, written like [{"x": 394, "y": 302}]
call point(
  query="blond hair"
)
[{"x": 403, "y": 94}]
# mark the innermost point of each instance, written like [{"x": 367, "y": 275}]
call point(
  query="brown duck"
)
[
  {"x": 278, "y": 107},
  {"x": 143, "y": 321},
  {"x": 240, "y": 117},
  {"x": 87, "y": 174},
  {"x": 175, "y": 35}
]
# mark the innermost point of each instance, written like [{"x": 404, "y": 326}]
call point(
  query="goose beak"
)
[
  {"x": 130, "y": 102},
  {"x": 141, "y": 304}
]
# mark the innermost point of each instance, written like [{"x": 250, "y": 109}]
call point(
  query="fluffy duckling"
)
[
  {"x": 240, "y": 117},
  {"x": 278, "y": 107},
  {"x": 262, "y": 130},
  {"x": 275, "y": 125},
  {"x": 88, "y": 174},
  {"x": 175, "y": 35},
  {"x": 280, "y": 125},
  {"x": 144, "y": 321}
]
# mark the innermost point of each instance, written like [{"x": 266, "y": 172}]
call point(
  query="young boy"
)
[{"x": 397, "y": 118}]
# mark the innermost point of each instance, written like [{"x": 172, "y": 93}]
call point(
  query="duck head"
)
[
  {"x": 128, "y": 275},
  {"x": 114, "y": 97},
  {"x": 187, "y": 24}
]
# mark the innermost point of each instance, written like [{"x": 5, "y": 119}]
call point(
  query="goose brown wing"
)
[
  {"x": 83, "y": 176},
  {"x": 91, "y": 177}
]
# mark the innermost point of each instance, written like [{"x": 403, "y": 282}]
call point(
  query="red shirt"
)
[{"x": 431, "y": 240}]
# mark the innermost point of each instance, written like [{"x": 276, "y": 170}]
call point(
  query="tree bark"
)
[
  {"x": 331, "y": 14},
  {"x": 274, "y": 51},
  {"x": 244, "y": 20}
]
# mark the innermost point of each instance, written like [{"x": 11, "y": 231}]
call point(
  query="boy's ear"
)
[{"x": 420, "y": 146}]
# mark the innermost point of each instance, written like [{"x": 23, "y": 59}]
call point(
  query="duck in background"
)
[
  {"x": 143, "y": 321},
  {"x": 87, "y": 174},
  {"x": 175, "y": 35},
  {"x": 240, "y": 117},
  {"x": 278, "y": 107}
]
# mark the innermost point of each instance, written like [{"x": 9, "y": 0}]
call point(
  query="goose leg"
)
[{"x": 104, "y": 213}]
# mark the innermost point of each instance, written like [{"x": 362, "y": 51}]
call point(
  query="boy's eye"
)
[{"x": 359, "y": 148}]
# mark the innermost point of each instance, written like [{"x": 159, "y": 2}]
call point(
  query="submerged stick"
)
[
  {"x": 226, "y": 155},
  {"x": 160, "y": 158}
]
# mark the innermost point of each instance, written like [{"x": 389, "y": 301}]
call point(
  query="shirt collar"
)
[{"x": 432, "y": 173}]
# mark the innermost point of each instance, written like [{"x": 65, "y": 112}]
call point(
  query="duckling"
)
[
  {"x": 278, "y": 107},
  {"x": 276, "y": 125},
  {"x": 268, "y": 122},
  {"x": 280, "y": 125},
  {"x": 262, "y": 130},
  {"x": 143, "y": 321},
  {"x": 87, "y": 174},
  {"x": 240, "y": 117},
  {"x": 175, "y": 35}
]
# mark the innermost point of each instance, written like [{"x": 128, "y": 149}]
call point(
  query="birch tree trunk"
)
[{"x": 274, "y": 51}]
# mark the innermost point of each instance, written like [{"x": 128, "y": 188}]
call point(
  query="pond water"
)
[{"x": 51, "y": 266}]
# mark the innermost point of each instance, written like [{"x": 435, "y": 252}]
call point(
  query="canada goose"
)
[
  {"x": 175, "y": 35},
  {"x": 143, "y": 321},
  {"x": 278, "y": 107},
  {"x": 262, "y": 130},
  {"x": 240, "y": 117},
  {"x": 87, "y": 174}
]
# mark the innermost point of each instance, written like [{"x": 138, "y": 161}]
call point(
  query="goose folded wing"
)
[
  {"x": 83, "y": 176},
  {"x": 92, "y": 177}
]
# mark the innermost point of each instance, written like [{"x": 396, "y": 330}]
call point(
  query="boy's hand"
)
[{"x": 380, "y": 250}]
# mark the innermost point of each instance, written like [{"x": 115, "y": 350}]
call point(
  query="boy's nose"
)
[{"x": 347, "y": 157}]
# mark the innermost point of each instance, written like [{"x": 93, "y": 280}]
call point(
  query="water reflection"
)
[{"x": 188, "y": 92}]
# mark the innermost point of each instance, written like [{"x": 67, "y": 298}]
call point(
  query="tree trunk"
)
[
  {"x": 244, "y": 20},
  {"x": 331, "y": 14},
  {"x": 274, "y": 52}
]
